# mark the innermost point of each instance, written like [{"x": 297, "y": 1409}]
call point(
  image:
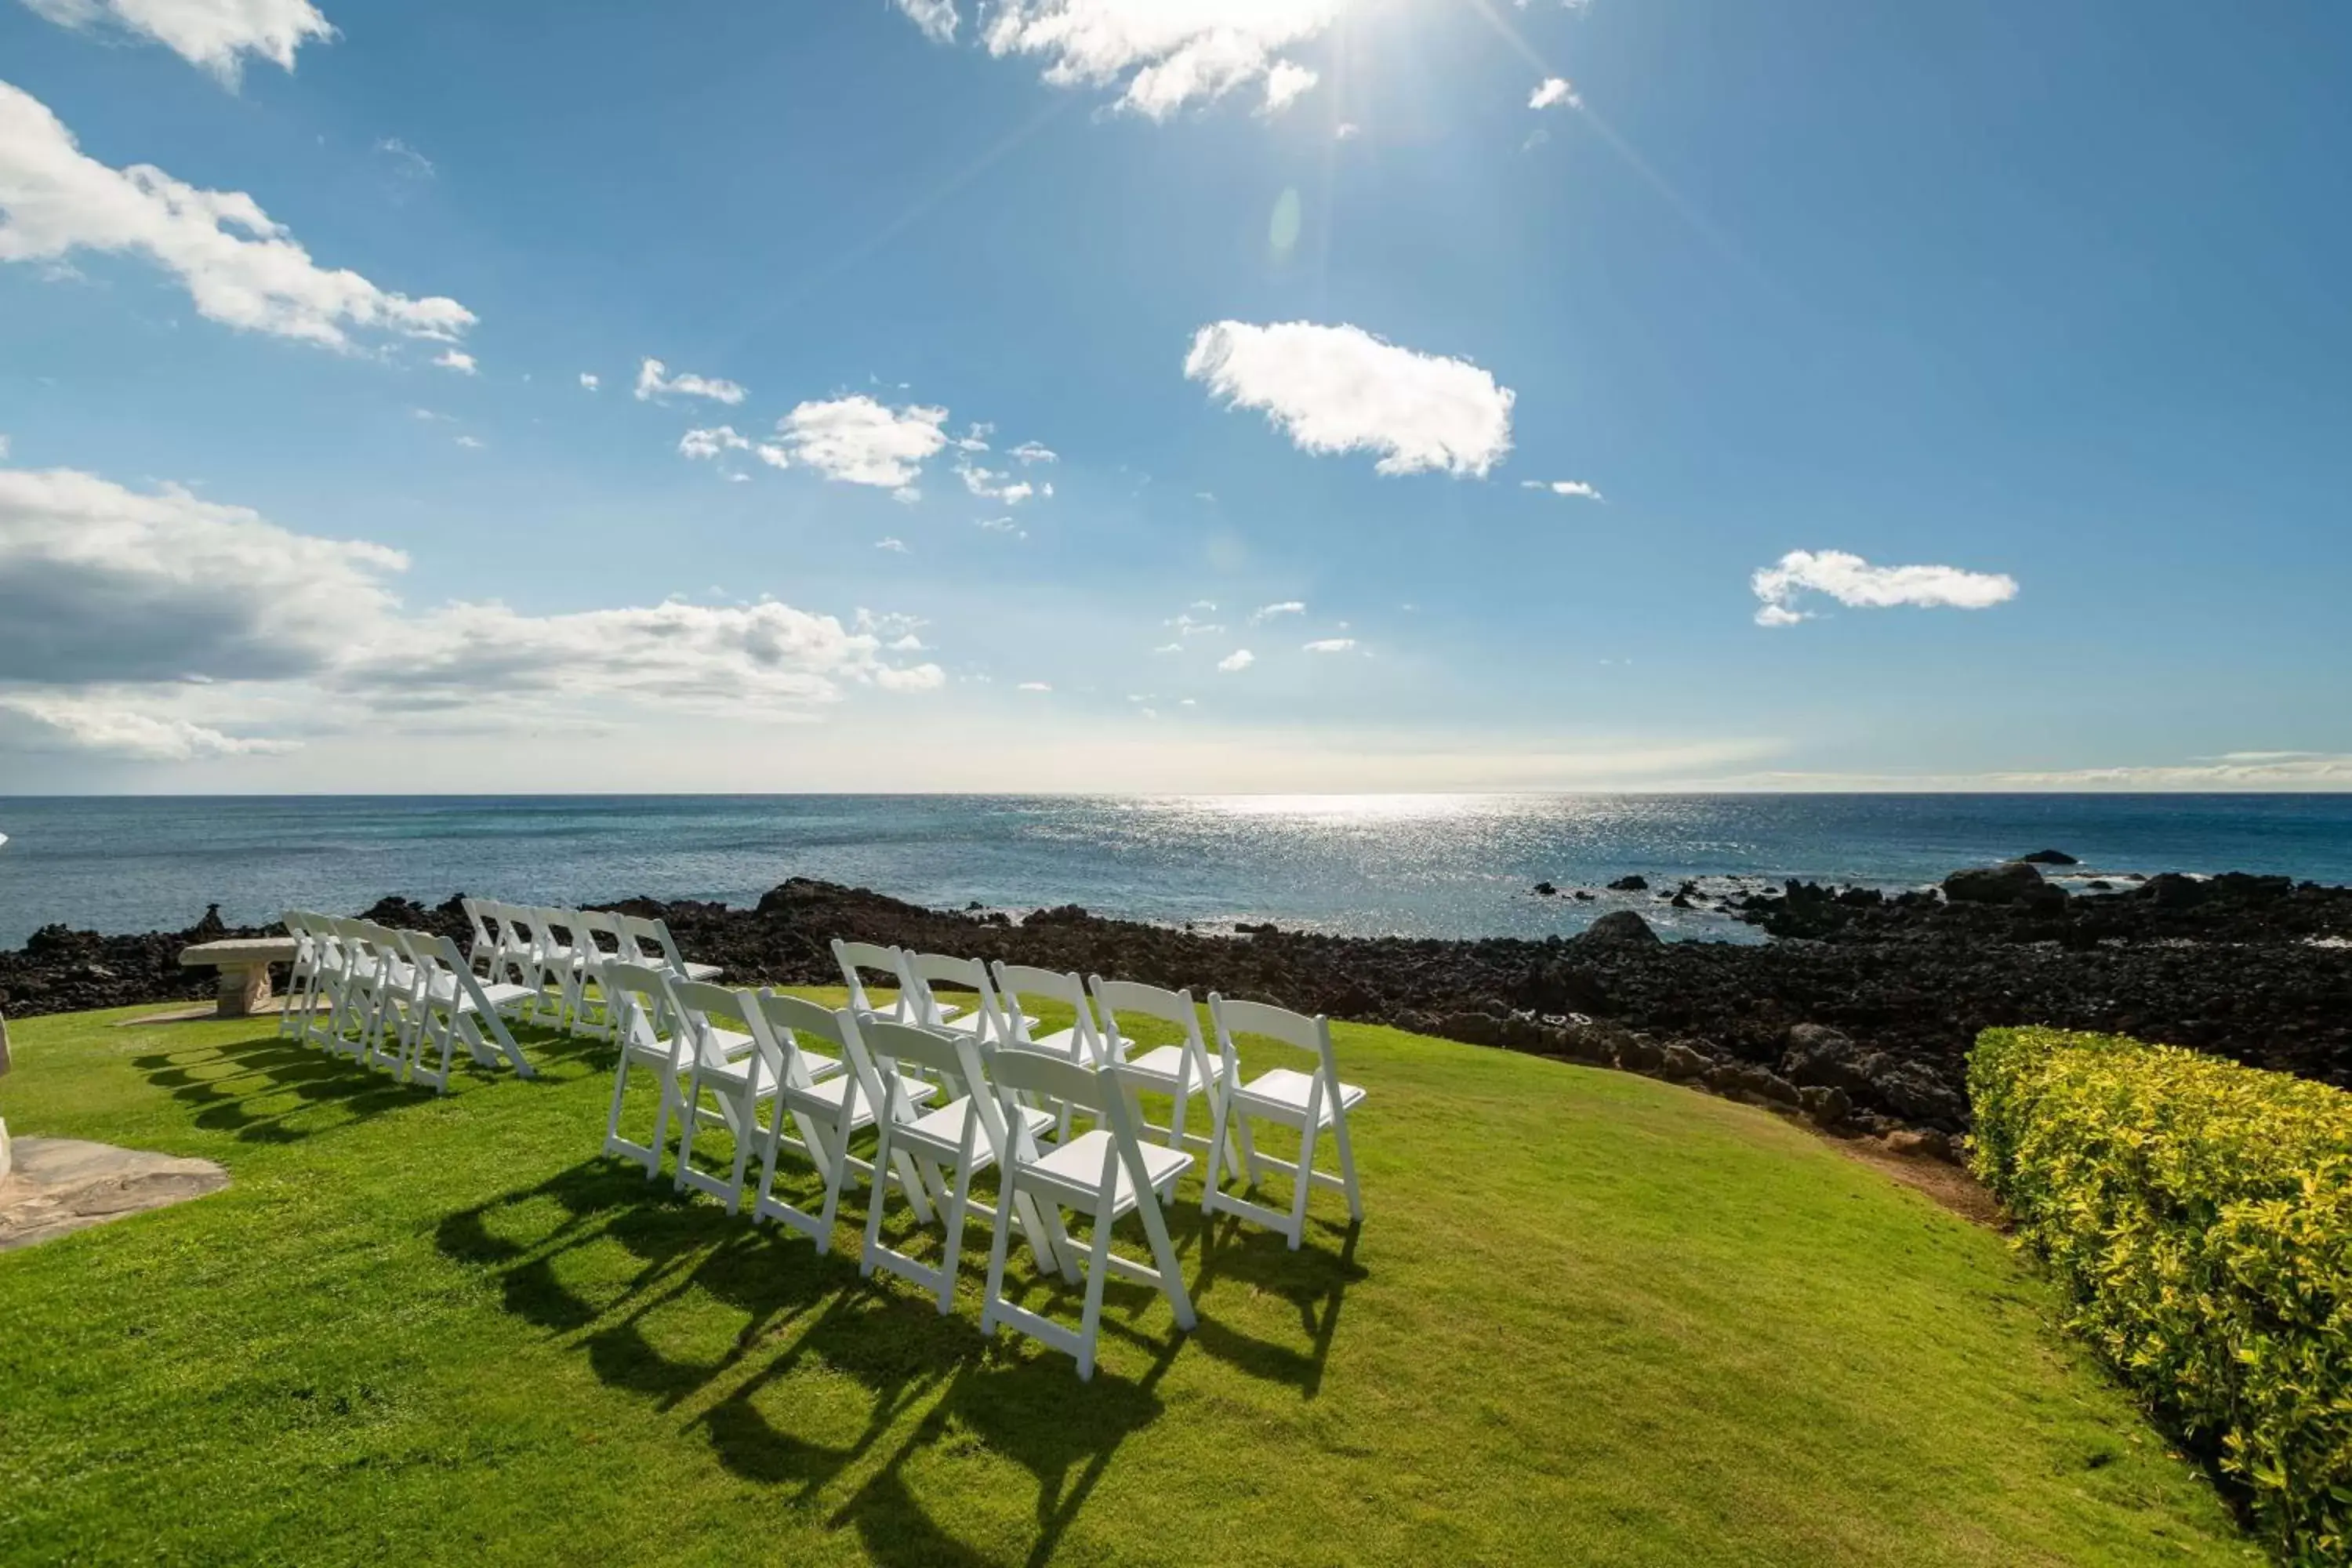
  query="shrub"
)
[{"x": 2200, "y": 1215}]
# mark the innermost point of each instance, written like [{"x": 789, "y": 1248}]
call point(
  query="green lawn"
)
[{"x": 1591, "y": 1319}]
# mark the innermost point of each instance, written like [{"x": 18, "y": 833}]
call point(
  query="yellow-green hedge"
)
[{"x": 2199, "y": 1213}]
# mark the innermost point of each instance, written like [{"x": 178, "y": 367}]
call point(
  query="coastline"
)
[{"x": 1858, "y": 1011}]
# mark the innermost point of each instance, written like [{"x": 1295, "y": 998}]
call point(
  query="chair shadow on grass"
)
[
  {"x": 800, "y": 1309},
  {"x": 257, "y": 1088}
]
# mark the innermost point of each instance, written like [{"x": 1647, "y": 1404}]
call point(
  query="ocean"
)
[{"x": 1358, "y": 865}]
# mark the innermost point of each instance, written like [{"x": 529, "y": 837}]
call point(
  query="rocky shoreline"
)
[{"x": 1857, "y": 1011}]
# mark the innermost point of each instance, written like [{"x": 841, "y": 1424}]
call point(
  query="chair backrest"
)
[
  {"x": 596, "y": 933},
  {"x": 1137, "y": 1000},
  {"x": 639, "y": 996},
  {"x": 650, "y": 941},
  {"x": 479, "y": 915},
  {"x": 1265, "y": 1021},
  {"x": 950, "y": 1053},
  {"x": 704, "y": 1008},
  {"x": 1017, "y": 982},
  {"x": 854, "y": 956},
  {"x": 783, "y": 1021},
  {"x": 918, "y": 970}
]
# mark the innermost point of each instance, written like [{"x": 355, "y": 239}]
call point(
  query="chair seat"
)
[
  {"x": 943, "y": 1129},
  {"x": 752, "y": 1070},
  {"x": 826, "y": 1093},
  {"x": 1159, "y": 1067},
  {"x": 1282, "y": 1094},
  {"x": 702, "y": 971},
  {"x": 1060, "y": 1043},
  {"x": 1077, "y": 1168}
]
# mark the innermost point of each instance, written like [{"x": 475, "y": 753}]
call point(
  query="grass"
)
[{"x": 1591, "y": 1319}]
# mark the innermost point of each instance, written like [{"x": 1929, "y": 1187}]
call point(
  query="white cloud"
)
[
  {"x": 1033, "y": 686},
  {"x": 896, "y": 546},
  {"x": 1033, "y": 452},
  {"x": 115, "y": 603},
  {"x": 213, "y": 34},
  {"x": 84, "y": 724},
  {"x": 1003, "y": 525},
  {"x": 1233, "y": 663},
  {"x": 653, "y": 383},
  {"x": 407, "y": 163},
  {"x": 472, "y": 443},
  {"x": 457, "y": 359},
  {"x": 1268, "y": 612},
  {"x": 936, "y": 18},
  {"x": 1346, "y": 131},
  {"x": 1331, "y": 644},
  {"x": 1855, "y": 582},
  {"x": 99, "y": 583},
  {"x": 722, "y": 658},
  {"x": 1554, "y": 92},
  {"x": 859, "y": 441},
  {"x": 1165, "y": 54},
  {"x": 989, "y": 484},
  {"x": 1169, "y": 647},
  {"x": 1337, "y": 389},
  {"x": 589, "y": 381},
  {"x": 1285, "y": 83},
  {"x": 1186, "y": 626},
  {"x": 239, "y": 267},
  {"x": 700, "y": 444},
  {"x": 1576, "y": 488}
]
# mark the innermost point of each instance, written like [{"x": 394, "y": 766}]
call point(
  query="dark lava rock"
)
[
  {"x": 1824, "y": 1105},
  {"x": 2171, "y": 891},
  {"x": 1547, "y": 891},
  {"x": 1616, "y": 929},
  {"x": 1682, "y": 1063},
  {"x": 2010, "y": 882},
  {"x": 1584, "y": 895},
  {"x": 2049, "y": 858},
  {"x": 1630, "y": 884},
  {"x": 1635, "y": 1054},
  {"x": 1471, "y": 1028},
  {"x": 1818, "y": 1054}
]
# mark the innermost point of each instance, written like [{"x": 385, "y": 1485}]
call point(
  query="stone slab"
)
[
  {"x": 63, "y": 1185},
  {"x": 240, "y": 952}
]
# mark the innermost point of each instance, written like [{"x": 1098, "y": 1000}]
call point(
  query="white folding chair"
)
[
  {"x": 1307, "y": 1102},
  {"x": 919, "y": 971},
  {"x": 554, "y": 962},
  {"x": 857, "y": 959},
  {"x": 827, "y": 1104},
  {"x": 1180, "y": 1071},
  {"x": 735, "y": 1066},
  {"x": 648, "y": 942},
  {"x": 1018, "y": 983},
  {"x": 453, "y": 1004},
  {"x": 598, "y": 933},
  {"x": 482, "y": 950},
  {"x": 399, "y": 1014},
  {"x": 1103, "y": 1174},
  {"x": 652, "y": 1040},
  {"x": 302, "y": 977},
  {"x": 959, "y": 1139},
  {"x": 372, "y": 972},
  {"x": 323, "y": 1022}
]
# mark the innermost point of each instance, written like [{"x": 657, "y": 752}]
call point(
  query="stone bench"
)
[{"x": 244, "y": 966}]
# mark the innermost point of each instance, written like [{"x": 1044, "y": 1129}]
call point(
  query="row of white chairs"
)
[
  {"x": 949, "y": 1093},
  {"x": 400, "y": 1001},
  {"x": 1308, "y": 1103},
  {"x": 557, "y": 954}
]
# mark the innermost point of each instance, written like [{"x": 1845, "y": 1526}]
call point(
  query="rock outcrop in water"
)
[{"x": 1860, "y": 1012}]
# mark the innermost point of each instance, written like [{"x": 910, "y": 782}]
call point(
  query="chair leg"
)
[
  {"x": 1346, "y": 1163},
  {"x": 1097, "y": 1270},
  {"x": 1307, "y": 1142},
  {"x": 958, "y": 1202},
  {"x": 877, "y": 1194},
  {"x": 1214, "y": 1177},
  {"x": 1249, "y": 1154},
  {"x": 831, "y": 1173},
  {"x": 620, "y": 1082},
  {"x": 687, "y": 1124},
  {"x": 998, "y": 1243}
]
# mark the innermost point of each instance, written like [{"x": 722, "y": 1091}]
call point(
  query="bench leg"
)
[{"x": 243, "y": 991}]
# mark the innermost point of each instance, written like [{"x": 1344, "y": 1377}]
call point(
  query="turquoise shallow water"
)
[{"x": 1422, "y": 866}]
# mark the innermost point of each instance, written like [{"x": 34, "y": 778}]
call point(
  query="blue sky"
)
[{"x": 1310, "y": 303}]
